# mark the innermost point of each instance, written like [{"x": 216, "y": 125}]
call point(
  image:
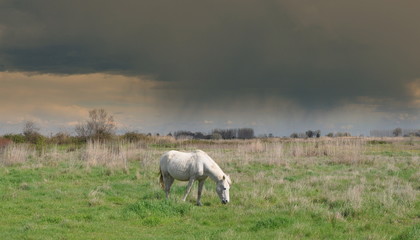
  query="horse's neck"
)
[{"x": 213, "y": 171}]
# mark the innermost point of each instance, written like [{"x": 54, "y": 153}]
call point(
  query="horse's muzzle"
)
[{"x": 225, "y": 201}]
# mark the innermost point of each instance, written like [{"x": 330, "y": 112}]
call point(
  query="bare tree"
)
[
  {"x": 31, "y": 132},
  {"x": 100, "y": 126},
  {"x": 30, "y": 128}
]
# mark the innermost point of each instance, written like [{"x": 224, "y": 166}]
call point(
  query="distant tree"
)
[
  {"x": 216, "y": 136},
  {"x": 330, "y": 134},
  {"x": 230, "y": 133},
  {"x": 317, "y": 133},
  {"x": 397, "y": 132},
  {"x": 224, "y": 133},
  {"x": 246, "y": 133},
  {"x": 31, "y": 133},
  {"x": 309, "y": 133},
  {"x": 30, "y": 128},
  {"x": 343, "y": 134},
  {"x": 227, "y": 133},
  {"x": 302, "y": 135},
  {"x": 100, "y": 126},
  {"x": 199, "y": 135},
  {"x": 294, "y": 135},
  {"x": 182, "y": 134}
]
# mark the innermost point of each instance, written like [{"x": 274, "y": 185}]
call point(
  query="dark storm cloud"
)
[{"x": 317, "y": 53}]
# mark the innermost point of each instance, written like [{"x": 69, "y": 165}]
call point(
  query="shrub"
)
[
  {"x": 134, "y": 137},
  {"x": 36, "y": 139},
  {"x": 16, "y": 138},
  {"x": 61, "y": 138}
]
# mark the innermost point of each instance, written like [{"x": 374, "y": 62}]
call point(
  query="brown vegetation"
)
[{"x": 4, "y": 142}]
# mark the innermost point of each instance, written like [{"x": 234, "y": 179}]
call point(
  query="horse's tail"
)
[{"x": 162, "y": 184}]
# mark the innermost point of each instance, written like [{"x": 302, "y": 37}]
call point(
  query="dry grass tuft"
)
[
  {"x": 95, "y": 196},
  {"x": 354, "y": 196},
  {"x": 396, "y": 193},
  {"x": 103, "y": 154},
  {"x": 338, "y": 150},
  {"x": 14, "y": 154},
  {"x": 253, "y": 147}
]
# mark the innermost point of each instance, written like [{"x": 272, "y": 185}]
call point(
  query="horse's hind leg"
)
[
  {"x": 200, "y": 189},
  {"x": 190, "y": 184},
  {"x": 168, "y": 183}
]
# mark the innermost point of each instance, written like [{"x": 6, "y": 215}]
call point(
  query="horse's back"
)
[
  {"x": 175, "y": 157},
  {"x": 180, "y": 165}
]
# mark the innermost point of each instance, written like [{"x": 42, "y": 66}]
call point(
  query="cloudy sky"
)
[{"x": 278, "y": 66}]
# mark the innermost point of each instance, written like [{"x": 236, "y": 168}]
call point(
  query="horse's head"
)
[{"x": 222, "y": 189}]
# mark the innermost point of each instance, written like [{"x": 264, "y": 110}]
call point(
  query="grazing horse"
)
[{"x": 191, "y": 166}]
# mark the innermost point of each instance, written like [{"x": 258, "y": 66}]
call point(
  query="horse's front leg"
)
[
  {"x": 200, "y": 190},
  {"x": 190, "y": 184}
]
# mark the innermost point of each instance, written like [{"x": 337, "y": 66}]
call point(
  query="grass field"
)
[{"x": 338, "y": 188}]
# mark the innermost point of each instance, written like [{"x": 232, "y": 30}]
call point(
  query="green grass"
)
[{"x": 309, "y": 197}]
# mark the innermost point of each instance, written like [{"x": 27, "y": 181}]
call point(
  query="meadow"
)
[{"x": 327, "y": 188}]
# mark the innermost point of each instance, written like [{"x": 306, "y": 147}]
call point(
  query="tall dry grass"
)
[
  {"x": 338, "y": 150},
  {"x": 14, "y": 154},
  {"x": 284, "y": 151},
  {"x": 350, "y": 151},
  {"x": 110, "y": 155}
]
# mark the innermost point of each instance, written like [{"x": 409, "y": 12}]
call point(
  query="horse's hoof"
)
[{"x": 199, "y": 204}]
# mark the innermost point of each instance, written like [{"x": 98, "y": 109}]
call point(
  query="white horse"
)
[{"x": 193, "y": 166}]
